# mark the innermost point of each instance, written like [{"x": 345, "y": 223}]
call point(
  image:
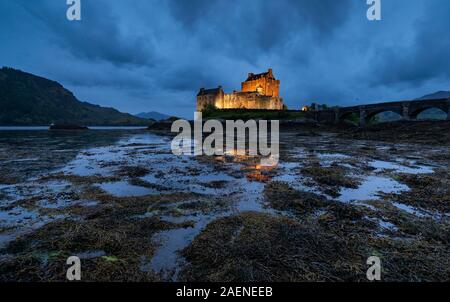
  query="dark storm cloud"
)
[
  {"x": 146, "y": 55},
  {"x": 427, "y": 57},
  {"x": 247, "y": 29},
  {"x": 97, "y": 37},
  {"x": 192, "y": 12}
]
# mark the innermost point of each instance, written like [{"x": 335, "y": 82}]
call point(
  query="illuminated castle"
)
[{"x": 259, "y": 91}]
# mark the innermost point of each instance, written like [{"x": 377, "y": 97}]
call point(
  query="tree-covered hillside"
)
[{"x": 26, "y": 99}]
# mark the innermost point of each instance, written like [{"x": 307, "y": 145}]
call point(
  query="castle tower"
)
[{"x": 264, "y": 83}]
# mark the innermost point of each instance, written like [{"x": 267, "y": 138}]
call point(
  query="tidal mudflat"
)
[{"x": 133, "y": 211}]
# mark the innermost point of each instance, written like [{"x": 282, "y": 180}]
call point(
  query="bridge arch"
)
[
  {"x": 352, "y": 116},
  {"x": 416, "y": 111},
  {"x": 370, "y": 115}
]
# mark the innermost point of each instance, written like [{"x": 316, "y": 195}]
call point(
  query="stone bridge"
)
[{"x": 409, "y": 110}]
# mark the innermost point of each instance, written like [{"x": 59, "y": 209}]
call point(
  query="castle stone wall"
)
[
  {"x": 240, "y": 101},
  {"x": 210, "y": 99},
  {"x": 250, "y": 101}
]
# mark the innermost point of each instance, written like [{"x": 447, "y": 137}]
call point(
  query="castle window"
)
[{"x": 259, "y": 89}]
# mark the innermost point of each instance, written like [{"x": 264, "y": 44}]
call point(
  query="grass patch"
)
[
  {"x": 244, "y": 114},
  {"x": 282, "y": 197},
  {"x": 428, "y": 191},
  {"x": 259, "y": 247}
]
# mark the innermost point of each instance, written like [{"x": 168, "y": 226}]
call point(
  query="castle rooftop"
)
[{"x": 268, "y": 74}]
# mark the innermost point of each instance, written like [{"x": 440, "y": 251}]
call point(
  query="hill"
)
[
  {"x": 153, "y": 115},
  {"x": 26, "y": 99},
  {"x": 436, "y": 95}
]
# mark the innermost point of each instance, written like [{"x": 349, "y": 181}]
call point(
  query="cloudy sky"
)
[{"x": 144, "y": 55}]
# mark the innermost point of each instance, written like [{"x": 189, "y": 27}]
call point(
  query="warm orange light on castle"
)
[{"x": 259, "y": 91}]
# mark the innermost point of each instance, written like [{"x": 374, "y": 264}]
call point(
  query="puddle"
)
[
  {"x": 420, "y": 212},
  {"x": 22, "y": 222},
  {"x": 166, "y": 259},
  {"x": 387, "y": 225},
  {"x": 13, "y": 193},
  {"x": 370, "y": 188},
  {"x": 380, "y": 165},
  {"x": 125, "y": 189},
  {"x": 251, "y": 198},
  {"x": 17, "y": 216},
  {"x": 328, "y": 159},
  {"x": 408, "y": 209},
  {"x": 63, "y": 203}
]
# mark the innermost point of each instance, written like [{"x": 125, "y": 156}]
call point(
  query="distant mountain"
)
[
  {"x": 153, "y": 115},
  {"x": 26, "y": 99},
  {"x": 436, "y": 95}
]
